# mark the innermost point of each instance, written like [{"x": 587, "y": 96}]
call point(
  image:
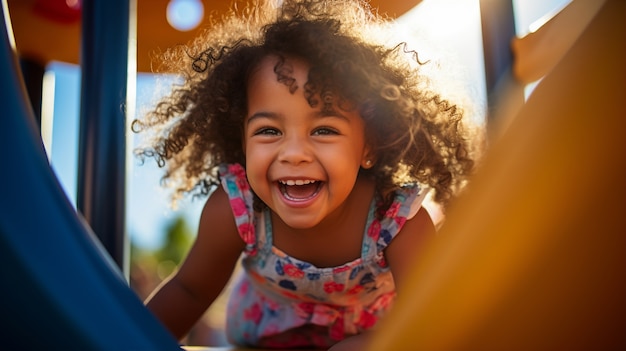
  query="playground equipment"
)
[
  {"x": 60, "y": 289},
  {"x": 532, "y": 257}
]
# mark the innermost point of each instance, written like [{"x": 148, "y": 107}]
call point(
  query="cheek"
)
[
  {"x": 256, "y": 168},
  {"x": 255, "y": 154}
]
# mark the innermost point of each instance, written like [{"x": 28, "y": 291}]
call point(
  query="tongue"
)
[{"x": 300, "y": 191}]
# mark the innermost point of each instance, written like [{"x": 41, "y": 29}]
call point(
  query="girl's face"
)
[{"x": 301, "y": 162}]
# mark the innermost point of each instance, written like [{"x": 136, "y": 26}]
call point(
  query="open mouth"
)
[{"x": 300, "y": 189}]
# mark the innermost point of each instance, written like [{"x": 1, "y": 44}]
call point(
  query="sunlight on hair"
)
[{"x": 447, "y": 34}]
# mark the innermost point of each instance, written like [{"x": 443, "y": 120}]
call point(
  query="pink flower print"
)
[
  {"x": 240, "y": 176},
  {"x": 238, "y": 206},
  {"x": 400, "y": 221},
  {"x": 246, "y": 231},
  {"x": 242, "y": 184},
  {"x": 254, "y": 313},
  {"x": 324, "y": 314},
  {"x": 293, "y": 271},
  {"x": 332, "y": 287},
  {"x": 236, "y": 169},
  {"x": 341, "y": 269},
  {"x": 393, "y": 210},
  {"x": 337, "y": 329},
  {"x": 304, "y": 309},
  {"x": 243, "y": 289},
  {"x": 367, "y": 320},
  {"x": 374, "y": 230}
]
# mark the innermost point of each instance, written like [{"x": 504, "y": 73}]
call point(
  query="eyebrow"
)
[
  {"x": 262, "y": 114},
  {"x": 273, "y": 115}
]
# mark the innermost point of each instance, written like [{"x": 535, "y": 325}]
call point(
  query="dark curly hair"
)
[{"x": 415, "y": 135}]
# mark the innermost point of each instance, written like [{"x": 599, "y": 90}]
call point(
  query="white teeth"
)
[{"x": 297, "y": 182}]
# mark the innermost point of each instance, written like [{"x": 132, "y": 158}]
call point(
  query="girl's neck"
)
[{"x": 334, "y": 241}]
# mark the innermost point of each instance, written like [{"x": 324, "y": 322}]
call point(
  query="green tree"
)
[{"x": 178, "y": 240}]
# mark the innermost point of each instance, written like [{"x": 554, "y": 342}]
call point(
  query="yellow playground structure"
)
[{"x": 531, "y": 257}]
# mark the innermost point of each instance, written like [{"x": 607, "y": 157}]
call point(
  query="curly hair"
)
[{"x": 415, "y": 135}]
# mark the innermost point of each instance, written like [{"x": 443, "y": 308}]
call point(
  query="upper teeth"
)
[{"x": 297, "y": 182}]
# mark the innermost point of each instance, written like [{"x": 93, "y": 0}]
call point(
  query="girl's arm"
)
[
  {"x": 400, "y": 253},
  {"x": 408, "y": 244},
  {"x": 182, "y": 299}
]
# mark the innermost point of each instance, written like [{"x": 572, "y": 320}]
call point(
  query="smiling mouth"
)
[{"x": 299, "y": 190}]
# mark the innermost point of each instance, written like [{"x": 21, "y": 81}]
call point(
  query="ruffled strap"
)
[
  {"x": 235, "y": 183},
  {"x": 407, "y": 202}
]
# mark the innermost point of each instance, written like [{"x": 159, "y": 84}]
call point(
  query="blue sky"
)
[{"x": 147, "y": 208}]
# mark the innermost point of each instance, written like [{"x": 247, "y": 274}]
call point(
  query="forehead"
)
[{"x": 290, "y": 71}]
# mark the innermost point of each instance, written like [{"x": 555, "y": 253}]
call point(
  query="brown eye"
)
[
  {"x": 325, "y": 131},
  {"x": 267, "y": 131}
]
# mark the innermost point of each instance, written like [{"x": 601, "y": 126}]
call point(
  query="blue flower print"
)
[
  {"x": 385, "y": 237},
  {"x": 313, "y": 276},
  {"x": 287, "y": 284},
  {"x": 355, "y": 272},
  {"x": 368, "y": 278},
  {"x": 279, "y": 268}
]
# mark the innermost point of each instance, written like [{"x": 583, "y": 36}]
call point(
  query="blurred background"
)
[{"x": 47, "y": 33}]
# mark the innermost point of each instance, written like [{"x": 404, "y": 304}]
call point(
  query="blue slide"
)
[{"x": 60, "y": 289}]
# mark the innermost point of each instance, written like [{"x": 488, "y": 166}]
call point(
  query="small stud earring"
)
[{"x": 368, "y": 163}]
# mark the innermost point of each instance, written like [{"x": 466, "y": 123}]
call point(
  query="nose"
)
[{"x": 295, "y": 150}]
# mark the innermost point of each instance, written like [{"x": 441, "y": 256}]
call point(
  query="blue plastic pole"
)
[
  {"x": 102, "y": 141},
  {"x": 498, "y": 28}
]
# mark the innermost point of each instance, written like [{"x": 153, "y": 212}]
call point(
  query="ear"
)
[{"x": 368, "y": 159}]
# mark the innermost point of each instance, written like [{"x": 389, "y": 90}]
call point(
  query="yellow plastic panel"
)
[{"x": 533, "y": 256}]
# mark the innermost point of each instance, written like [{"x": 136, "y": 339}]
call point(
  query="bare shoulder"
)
[
  {"x": 410, "y": 241},
  {"x": 217, "y": 211},
  {"x": 217, "y": 227},
  {"x": 217, "y": 246}
]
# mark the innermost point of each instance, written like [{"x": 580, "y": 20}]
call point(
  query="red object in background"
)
[{"x": 61, "y": 11}]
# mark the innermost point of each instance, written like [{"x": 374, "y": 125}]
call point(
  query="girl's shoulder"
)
[{"x": 407, "y": 201}]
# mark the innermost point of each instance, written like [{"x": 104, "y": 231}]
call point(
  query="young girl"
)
[{"x": 317, "y": 146}]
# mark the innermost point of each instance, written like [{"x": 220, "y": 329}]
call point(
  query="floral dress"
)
[{"x": 277, "y": 293}]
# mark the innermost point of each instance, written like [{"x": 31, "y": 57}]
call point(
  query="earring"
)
[{"x": 368, "y": 163}]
